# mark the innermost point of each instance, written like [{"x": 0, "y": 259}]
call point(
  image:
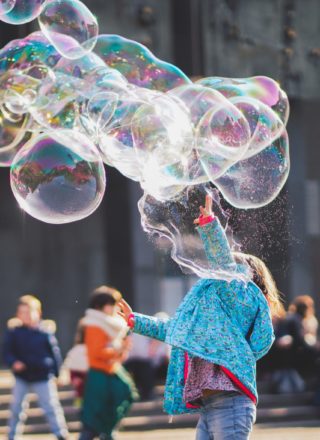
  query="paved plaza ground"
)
[{"x": 306, "y": 431}]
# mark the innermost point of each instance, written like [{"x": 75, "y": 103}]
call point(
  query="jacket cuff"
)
[
  {"x": 203, "y": 220},
  {"x": 131, "y": 321}
]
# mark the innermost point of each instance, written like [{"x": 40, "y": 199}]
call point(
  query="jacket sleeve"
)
[
  {"x": 56, "y": 354},
  {"x": 216, "y": 245},
  {"x": 9, "y": 356},
  {"x": 262, "y": 335},
  {"x": 150, "y": 326}
]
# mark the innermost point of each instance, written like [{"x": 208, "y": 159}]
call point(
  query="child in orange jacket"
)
[{"x": 109, "y": 390}]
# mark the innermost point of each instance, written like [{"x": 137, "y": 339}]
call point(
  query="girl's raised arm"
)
[{"x": 214, "y": 239}]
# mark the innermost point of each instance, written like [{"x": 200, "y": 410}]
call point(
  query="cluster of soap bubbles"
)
[{"x": 71, "y": 99}]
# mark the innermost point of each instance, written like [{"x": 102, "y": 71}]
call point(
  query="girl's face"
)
[{"x": 109, "y": 309}]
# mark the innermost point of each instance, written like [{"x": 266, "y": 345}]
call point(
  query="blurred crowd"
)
[
  {"x": 107, "y": 366},
  {"x": 110, "y": 368},
  {"x": 293, "y": 363}
]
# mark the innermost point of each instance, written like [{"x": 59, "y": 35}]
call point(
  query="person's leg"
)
[
  {"x": 87, "y": 434},
  {"x": 18, "y": 407},
  {"x": 106, "y": 437},
  {"x": 145, "y": 375},
  {"x": 230, "y": 416},
  {"x": 202, "y": 429},
  {"x": 49, "y": 401}
]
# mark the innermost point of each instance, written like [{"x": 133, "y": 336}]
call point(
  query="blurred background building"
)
[{"x": 231, "y": 38}]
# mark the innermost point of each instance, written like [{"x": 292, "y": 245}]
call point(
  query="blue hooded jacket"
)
[
  {"x": 37, "y": 348},
  {"x": 224, "y": 322}
]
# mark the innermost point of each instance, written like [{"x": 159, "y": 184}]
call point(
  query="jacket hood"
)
[{"x": 46, "y": 325}]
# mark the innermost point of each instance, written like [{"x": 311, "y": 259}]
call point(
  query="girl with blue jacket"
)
[{"x": 217, "y": 334}]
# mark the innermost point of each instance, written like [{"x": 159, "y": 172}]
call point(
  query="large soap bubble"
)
[
  {"x": 31, "y": 51},
  {"x": 257, "y": 180},
  {"x": 14, "y": 133},
  {"x": 138, "y": 64},
  {"x": 223, "y": 136},
  {"x": 262, "y": 88},
  {"x": 161, "y": 127},
  {"x": 70, "y": 26},
  {"x": 6, "y": 6},
  {"x": 80, "y": 67},
  {"x": 265, "y": 125},
  {"x": 57, "y": 104},
  {"x": 22, "y": 11},
  {"x": 142, "y": 115},
  {"x": 58, "y": 178}
]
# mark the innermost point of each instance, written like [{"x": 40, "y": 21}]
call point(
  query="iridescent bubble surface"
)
[
  {"x": 58, "y": 178},
  {"x": 256, "y": 181},
  {"x": 223, "y": 136},
  {"x": 70, "y": 26},
  {"x": 142, "y": 115},
  {"x": 263, "y": 88},
  {"x": 14, "y": 133},
  {"x": 25, "y": 53},
  {"x": 6, "y": 6},
  {"x": 138, "y": 64},
  {"x": 23, "y": 11},
  {"x": 56, "y": 105},
  {"x": 265, "y": 125}
]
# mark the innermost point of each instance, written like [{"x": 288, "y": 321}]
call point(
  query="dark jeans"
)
[{"x": 88, "y": 434}]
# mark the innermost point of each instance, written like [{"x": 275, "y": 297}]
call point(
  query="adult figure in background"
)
[
  {"x": 109, "y": 390},
  {"x": 302, "y": 326},
  {"x": 147, "y": 359}
]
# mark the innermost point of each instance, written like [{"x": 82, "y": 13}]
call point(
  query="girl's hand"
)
[
  {"x": 125, "y": 310},
  {"x": 205, "y": 211}
]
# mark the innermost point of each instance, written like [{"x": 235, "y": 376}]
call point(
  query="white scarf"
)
[{"x": 114, "y": 326}]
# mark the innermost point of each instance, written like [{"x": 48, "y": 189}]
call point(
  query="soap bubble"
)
[
  {"x": 23, "y": 11},
  {"x": 57, "y": 103},
  {"x": 7, "y": 154},
  {"x": 70, "y": 26},
  {"x": 259, "y": 87},
  {"x": 101, "y": 108},
  {"x": 34, "y": 50},
  {"x": 265, "y": 124},
  {"x": 138, "y": 64},
  {"x": 143, "y": 116},
  {"x": 198, "y": 100},
  {"x": 58, "y": 178},
  {"x": 256, "y": 181},
  {"x": 14, "y": 133},
  {"x": 161, "y": 127},
  {"x": 80, "y": 67},
  {"x": 6, "y": 6},
  {"x": 223, "y": 136}
]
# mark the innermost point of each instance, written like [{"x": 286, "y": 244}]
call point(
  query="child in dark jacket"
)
[{"x": 32, "y": 352}]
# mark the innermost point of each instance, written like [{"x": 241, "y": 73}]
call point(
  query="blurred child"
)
[
  {"x": 109, "y": 390},
  {"x": 32, "y": 352},
  {"x": 76, "y": 363}
]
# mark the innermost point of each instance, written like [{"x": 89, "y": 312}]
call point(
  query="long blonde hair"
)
[{"x": 262, "y": 277}]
